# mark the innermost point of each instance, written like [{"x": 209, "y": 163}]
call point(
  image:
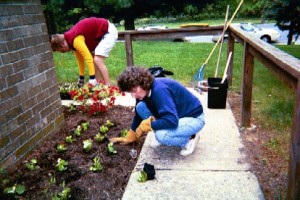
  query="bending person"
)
[{"x": 91, "y": 40}]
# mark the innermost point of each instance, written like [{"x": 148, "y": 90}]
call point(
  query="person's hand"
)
[
  {"x": 145, "y": 126},
  {"x": 93, "y": 82},
  {"x": 130, "y": 137}
]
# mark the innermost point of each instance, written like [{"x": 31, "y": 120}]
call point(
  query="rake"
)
[{"x": 199, "y": 76}]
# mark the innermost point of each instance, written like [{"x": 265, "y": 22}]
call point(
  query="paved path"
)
[{"x": 216, "y": 170}]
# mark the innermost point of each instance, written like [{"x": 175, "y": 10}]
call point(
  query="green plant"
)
[
  {"x": 32, "y": 164},
  {"x": 71, "y": 107},
  {"x": 15, "y": 189},
  {"x": 97, "y": 166},
  {"x": 61, "y": 165},
  {"x": 110, "y": 148},
  {"x": 109, "y": 123},
  {"x": 85, "y": 125},
  {"x": 78, "y": 130},
  {"x": 61, "y": 148},
  {"x": 142, "y": 177},
  {"x": 124, "y": 133},
  {"x": 87, "y": 145},
  {"x": 52, "y": 179},
  {"x": 69, "y": 139},
  {"x": 99, "y": 137},
  {"x": 103, "y": 129},
  {"x": 64, "y": 194},
  {"x": 65, "y": 88}
]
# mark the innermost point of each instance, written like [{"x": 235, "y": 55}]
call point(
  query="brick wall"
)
[{"x": 30, "y": 106}]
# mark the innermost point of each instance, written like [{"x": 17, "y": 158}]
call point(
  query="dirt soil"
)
[
  {"x": 269, "y": 165},
  {"x": 110, "y": 182}
]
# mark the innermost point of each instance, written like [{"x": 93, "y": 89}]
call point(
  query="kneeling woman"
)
[{"x": 164, "y": 106}]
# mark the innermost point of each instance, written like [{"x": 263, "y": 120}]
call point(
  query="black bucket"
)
[{"x": 217, "y": 93}]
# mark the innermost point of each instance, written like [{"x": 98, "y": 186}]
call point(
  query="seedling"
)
[
  {"x": 103, "y": 129},
  {"x": 32, "y": 164},
  {"x": 15, "y": 189},
  {"x": 110, "y": 148},
  {"x": 61, "y": 165},
  {"x": 69, "y": 139},
  {"x": 109, "y": 123},
  {"x": 72, "y": 108},
  {"x": 52, "y": 179},
  {"x": 61, "y": 148},
  {"x": 87, "y": 145},
  {"x": 64, "y": 194},
  {"x": 124, "y": 133},
  {"x": 85, "y": 126},
  {"x": 97, "y": 166},
  {"x": 99, "y": 137},
  {"x": 142, "y": 177},
  {"x": 78, "y": 130}
]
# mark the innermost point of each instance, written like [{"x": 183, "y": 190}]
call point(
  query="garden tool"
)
[
  {"x": 226, "y": 68},
  {"x": 130, "y": 137},
  {"x": 221, "y": 45},
  {"x": 199, "y": 76}
]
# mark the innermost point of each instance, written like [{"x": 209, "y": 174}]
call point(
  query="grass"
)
[{"x": 272, "y": 101}]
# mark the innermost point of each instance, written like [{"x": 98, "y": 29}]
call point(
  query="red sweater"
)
[{"x": 91, "y": 28}]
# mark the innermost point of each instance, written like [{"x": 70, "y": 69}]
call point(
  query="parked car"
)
[
  {"x": 151, "y": 27},
  {"x": 159, "y": 27},
  {"x": 265, "y": 34}
]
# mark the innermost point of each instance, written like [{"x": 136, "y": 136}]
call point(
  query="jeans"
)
[{"x": 179, "y": 136}]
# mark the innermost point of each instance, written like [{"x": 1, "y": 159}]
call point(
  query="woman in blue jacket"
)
[{"x": 165, "y": 106}]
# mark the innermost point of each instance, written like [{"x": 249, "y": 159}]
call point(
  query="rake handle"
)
[{"x": 240, "y": 4}]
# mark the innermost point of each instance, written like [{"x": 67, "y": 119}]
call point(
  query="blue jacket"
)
[{"x": 169, "y": 101}]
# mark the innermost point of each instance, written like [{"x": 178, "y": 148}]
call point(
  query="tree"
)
[
  {"x": 286, "y": 13},
  {"x": 61, "y": 14}
]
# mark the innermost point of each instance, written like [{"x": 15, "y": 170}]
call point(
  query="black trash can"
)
[{"x": 217, "y": 93}]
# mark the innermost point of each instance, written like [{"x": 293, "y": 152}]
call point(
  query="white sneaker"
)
[
  {"x": 154, "y": 143},
  {"x": 190, "y": 147},
  {"x": 93, "y": 82}
]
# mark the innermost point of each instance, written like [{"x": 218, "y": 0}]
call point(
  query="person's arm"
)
[
  {"x": 166, "y": 108},
  {"x": 83, "y": 52}
]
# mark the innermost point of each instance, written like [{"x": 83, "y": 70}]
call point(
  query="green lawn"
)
[{"x": 272, "y": 101}]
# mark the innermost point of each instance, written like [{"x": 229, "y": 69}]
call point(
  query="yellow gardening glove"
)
[
  {"x": 130, "y": 137},
  {"x": 145, "y": 126}
]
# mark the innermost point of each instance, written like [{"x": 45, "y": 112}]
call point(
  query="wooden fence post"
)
[
  {"x": 294, "y": 160},
  {"x": 247, "y": 86},
  {"x": 230, "y": 48},
  {"x": 129, "y": 50}
]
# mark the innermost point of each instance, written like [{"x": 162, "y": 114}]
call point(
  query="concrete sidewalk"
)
[{"x": 216, "y": 170}]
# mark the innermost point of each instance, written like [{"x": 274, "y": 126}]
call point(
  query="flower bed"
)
[{"x": 72, "y": 165}]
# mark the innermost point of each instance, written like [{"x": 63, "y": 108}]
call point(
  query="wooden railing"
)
[
  {"x": 130, "y": 36},
  {"x": 285, "y": 67}
]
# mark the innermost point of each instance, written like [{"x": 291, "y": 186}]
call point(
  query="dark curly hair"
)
[{"x": 135, "y": 76}]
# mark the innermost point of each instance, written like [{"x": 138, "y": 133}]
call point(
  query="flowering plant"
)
[
  {"x": 65, "y": 88},
  {"x": 95, "y": 99}
]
